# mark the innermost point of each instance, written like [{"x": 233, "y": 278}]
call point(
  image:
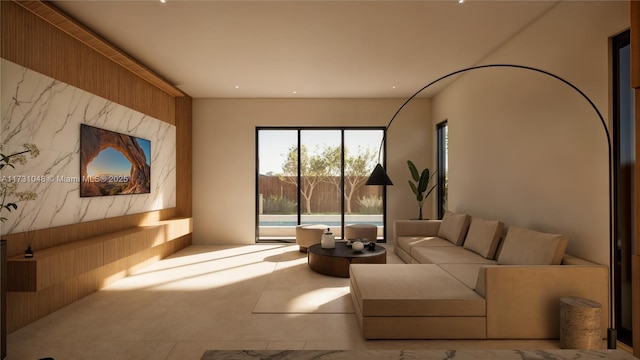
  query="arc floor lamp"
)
[{"x": 380, "y": 177}]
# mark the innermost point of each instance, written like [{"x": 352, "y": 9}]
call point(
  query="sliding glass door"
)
[
  {"x": 320, "y": 172},
  {"x": 316, "y": 176},
  {"x": 624, "y": 162}
]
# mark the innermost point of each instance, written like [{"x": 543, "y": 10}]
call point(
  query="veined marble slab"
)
[
  {"x": 40, "y": 110},
  {"x": 418, "y": 354}
]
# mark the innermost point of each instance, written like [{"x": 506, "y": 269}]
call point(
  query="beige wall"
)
[
  {"x": 523, "y": 147},
  {"x": 526, "y": 148},
  {"x": 224, "y": 154}
]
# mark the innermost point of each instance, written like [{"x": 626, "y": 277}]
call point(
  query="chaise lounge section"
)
[{"x": 465, "y": 280}]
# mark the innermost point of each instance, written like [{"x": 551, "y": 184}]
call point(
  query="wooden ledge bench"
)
[{"x": 56, "y": 264}]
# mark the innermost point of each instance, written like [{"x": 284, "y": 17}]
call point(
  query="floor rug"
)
[
  {"x": 417, "y": 354},
  {"x": 309, "y": 293}
]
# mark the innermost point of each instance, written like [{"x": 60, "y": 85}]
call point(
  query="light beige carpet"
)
[{"x": 308, "y": 293}]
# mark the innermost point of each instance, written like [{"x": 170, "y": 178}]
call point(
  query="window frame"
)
[
  {"x": 442, "y": 149},
  {"x": 382, "y": 157}
]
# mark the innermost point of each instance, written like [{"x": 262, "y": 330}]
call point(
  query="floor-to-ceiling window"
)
[
  {"x": 442, "y": 131},
  {"x": 624, "y": 162},
  {"x": 316, "y": 176}
]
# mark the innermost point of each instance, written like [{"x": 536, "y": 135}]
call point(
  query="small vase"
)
[
  {"x": 28, "y": 253},
  {"x": 328, "y": 241}
]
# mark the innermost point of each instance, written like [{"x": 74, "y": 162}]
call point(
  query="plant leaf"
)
[
  {"x": 424, "y": 180},
  {"x": 430, "y": 190},
  {"x": 414, "y": 171},
  {"x": 413, "y": 188}
]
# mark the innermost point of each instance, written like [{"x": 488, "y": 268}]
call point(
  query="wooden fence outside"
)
[{"x": 325, "y": 198}]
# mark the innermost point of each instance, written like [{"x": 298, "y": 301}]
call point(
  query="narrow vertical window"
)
[
  {"x": 624, "y": 163},
  {"x": 443, "y": 174}
]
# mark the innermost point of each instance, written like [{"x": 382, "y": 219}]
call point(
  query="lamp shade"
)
[{"x": 379, "y": 177}]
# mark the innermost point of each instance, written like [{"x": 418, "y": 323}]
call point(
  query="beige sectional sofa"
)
[{"x": 466, "y": 279}]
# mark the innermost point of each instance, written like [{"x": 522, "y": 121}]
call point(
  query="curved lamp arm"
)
[{"x": 380, "y": 177}]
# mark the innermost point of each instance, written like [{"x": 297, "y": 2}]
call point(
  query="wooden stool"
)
[
  {"x": 580, "y": 323},
  {"x": 361, "y": 231}
]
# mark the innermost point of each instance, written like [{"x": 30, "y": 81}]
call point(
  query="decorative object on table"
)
[
  {"x": 371, "y": 245},
  {"x": 328, "y": 240},
  {"x": 379, "y": 175},
  {"x": 28, "y": 237},
  {"x": 357, "y": 246},
  {"x": 9, "y": 184},
  {"x": 422, "y": 180}
]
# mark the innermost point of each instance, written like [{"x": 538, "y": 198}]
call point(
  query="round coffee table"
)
[{"x": 335, "y": 262}]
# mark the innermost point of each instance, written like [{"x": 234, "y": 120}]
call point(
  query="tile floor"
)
[{"x": 202, "y": 298}]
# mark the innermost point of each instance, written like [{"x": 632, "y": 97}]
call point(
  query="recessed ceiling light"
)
[
  {"x": 393, "y": 87},
  {"x": 163, "y": 1},
  {"x": 460, "y": 1},
  {"x": 294, "y": 92},
  {"x": 237, "y": 87}
]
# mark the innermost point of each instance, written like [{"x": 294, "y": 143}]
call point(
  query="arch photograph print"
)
[{"x": 112, "y": 163}]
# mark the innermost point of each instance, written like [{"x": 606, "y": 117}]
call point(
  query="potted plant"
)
[
  {"x": 9, "y": 193},
  {"x": 9, "y": 184},
  {"x": 420, "y": 184}
]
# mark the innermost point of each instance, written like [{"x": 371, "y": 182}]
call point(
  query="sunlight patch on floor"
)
[
  {"x": 316, "y": 299},
  {"x": 195, "y": 271}
]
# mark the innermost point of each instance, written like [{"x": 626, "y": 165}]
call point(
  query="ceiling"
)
[{"x": 305, "y": 49}]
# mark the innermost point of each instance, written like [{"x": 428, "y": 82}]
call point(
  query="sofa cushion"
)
[
  {"x": 466, "y": 273},
  {"x": 411, "y": 290},
  {"x": 529, "y": 247},
  {"x": 454, "y": 227},
  {"x": 483, "y": 236},
  {"x": 407, "y": 242},
  {"x": 447, "y": 255}
]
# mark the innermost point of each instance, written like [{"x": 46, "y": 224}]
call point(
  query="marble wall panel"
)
[{"x": 43, "y": 111}]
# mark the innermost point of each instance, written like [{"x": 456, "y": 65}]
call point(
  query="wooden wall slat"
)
[
  {"x": 51, "y": 14},
  {"x": 184, "y": 156},
  {"x": 56, "y": 236},
  {"x": 29, "y": 41}
]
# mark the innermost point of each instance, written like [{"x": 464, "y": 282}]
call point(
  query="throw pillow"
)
[
  {"x": 454, "y": 227},
  {"x": 529, "y": 247},
  {"x": 483, "y": 237}
]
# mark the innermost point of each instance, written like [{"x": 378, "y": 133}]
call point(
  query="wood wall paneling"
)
[
  {"x": 39, "y": 36},
  {"x": 184, "y": 156},
  {"x": 53, "y": 15},
  {"x": 56, "y": 236},
  {"x": 38, "y": 45}
]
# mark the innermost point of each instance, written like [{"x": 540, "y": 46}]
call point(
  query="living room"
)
[{"x": 551, "y": 180}]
